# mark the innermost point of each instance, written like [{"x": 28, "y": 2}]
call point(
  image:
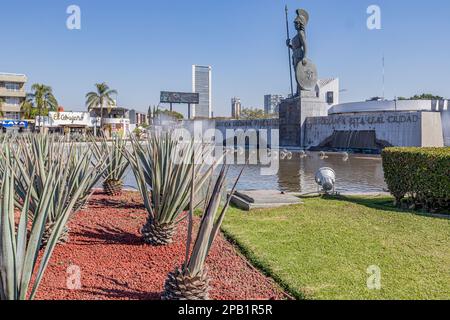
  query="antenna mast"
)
[{"x": 384, "y": 77}]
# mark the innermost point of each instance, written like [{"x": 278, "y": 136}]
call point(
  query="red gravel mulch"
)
[{"x": 105, "y": 244}]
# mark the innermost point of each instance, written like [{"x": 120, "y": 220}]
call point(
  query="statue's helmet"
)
[{"x": 302, "y": 17}]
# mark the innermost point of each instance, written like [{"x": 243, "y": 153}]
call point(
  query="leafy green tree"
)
[
  {"x": 100, "y": 98},
  {"x": 172, "y": 114},
  {"x": 138, "y": 132},
  {"x": 156, "y": 111},
  {"x": 423, "y": 96},
  {"x": 254, "y": 114},
  {"x": 427, "y": 96},
  {"x": 28, "y": 109}
]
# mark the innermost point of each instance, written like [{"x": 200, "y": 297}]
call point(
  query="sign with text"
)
[
  {"x": 70, "y": 118},
  {"x": 14, "y": 124},
  {"x": 180, "y": 97}
]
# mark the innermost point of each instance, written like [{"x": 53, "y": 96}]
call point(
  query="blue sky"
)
[{"x": 142, "y": 47}]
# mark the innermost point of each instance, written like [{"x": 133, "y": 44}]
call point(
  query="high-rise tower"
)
[{"x": 201, "y": 84}]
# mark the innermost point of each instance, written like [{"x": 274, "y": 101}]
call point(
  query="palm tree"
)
[
  {"x": 100, "y": 98},
  {"x": 43, "y": 98},
  {"x": 27, "y": 107},
  {"x": 2, "y": 101}
]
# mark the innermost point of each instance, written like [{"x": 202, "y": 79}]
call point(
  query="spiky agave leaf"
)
[
  {"x": 80, "y": 160},
  {"x": 191, "y": 282},
  {"x": 210, "y": 223},
  {"x": 80, "y": 164}
]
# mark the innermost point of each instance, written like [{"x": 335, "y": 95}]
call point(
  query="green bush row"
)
[{"x": 422, "y": 175}]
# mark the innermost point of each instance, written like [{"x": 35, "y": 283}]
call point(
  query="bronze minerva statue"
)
[{"x": 305, "y": 70}]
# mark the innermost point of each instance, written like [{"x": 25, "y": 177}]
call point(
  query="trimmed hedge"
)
[{"x": 421, "y": 175}]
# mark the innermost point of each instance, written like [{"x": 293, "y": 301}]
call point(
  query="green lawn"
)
[{"x": 322, "y": 249}]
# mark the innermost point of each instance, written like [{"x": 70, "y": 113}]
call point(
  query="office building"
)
[
  {"x": 138, "y": 118},
  {"x": 271, "y": 103},
  {"x": 236, "y": 108},
  {"x": 201, "y": 84},
  {"x": 12, "y": 94}
]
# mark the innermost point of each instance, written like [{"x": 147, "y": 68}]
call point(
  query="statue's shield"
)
[{"x": 307, "y": 75}]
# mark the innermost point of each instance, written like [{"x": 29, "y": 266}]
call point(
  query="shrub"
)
[{"x": 422, "y": 175}]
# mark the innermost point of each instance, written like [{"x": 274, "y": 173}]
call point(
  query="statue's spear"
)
[{"x": 289, "y": 49}]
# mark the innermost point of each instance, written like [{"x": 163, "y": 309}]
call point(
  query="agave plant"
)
[
  {"x": 20, "y": 244},
  {"x": 35, "y": 154},
  {"x": 39, "y": 157},
  {"x": 115, "y": 163},
  {"x": 162, "y": 167},
  {"x": 191, "y": 280}
]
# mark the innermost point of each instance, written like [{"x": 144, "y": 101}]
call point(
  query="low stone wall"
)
[
  {"x": 265, "y": 129},
  {"x": 247, "y": 124}
]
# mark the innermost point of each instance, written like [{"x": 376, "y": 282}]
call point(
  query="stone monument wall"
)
[{"x": 403, "y": 129}]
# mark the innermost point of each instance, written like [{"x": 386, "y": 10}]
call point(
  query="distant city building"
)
[
  {"x": 138, "y": 118},
  {"x": 272, "y": 103},
  {"x": 115, "y": 120},
  {"x": 236, "y": 108},
  {"x": 12, "y": 94},
  {"x": 328, "y": 90},
  {"x": 201, "y": 84}
]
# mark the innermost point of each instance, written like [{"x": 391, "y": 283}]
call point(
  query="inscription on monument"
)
[{"x": 358, "y": 121}]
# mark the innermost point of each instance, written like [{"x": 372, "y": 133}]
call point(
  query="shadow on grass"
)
[
  {"x": 261, "y": 266},
  {"x": 108, "y": 235},
  {"x": 386, "y": 204},
  {"x": 121, "y": 290}
]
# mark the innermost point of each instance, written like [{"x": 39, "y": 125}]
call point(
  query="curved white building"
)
[{"x": 390, "y": 106}]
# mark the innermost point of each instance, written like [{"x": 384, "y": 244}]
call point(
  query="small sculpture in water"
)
[
  {"x": 285, "y": 154},
  {"x": 345, "y": 156},
  {"x": 323, "y": 155}
]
